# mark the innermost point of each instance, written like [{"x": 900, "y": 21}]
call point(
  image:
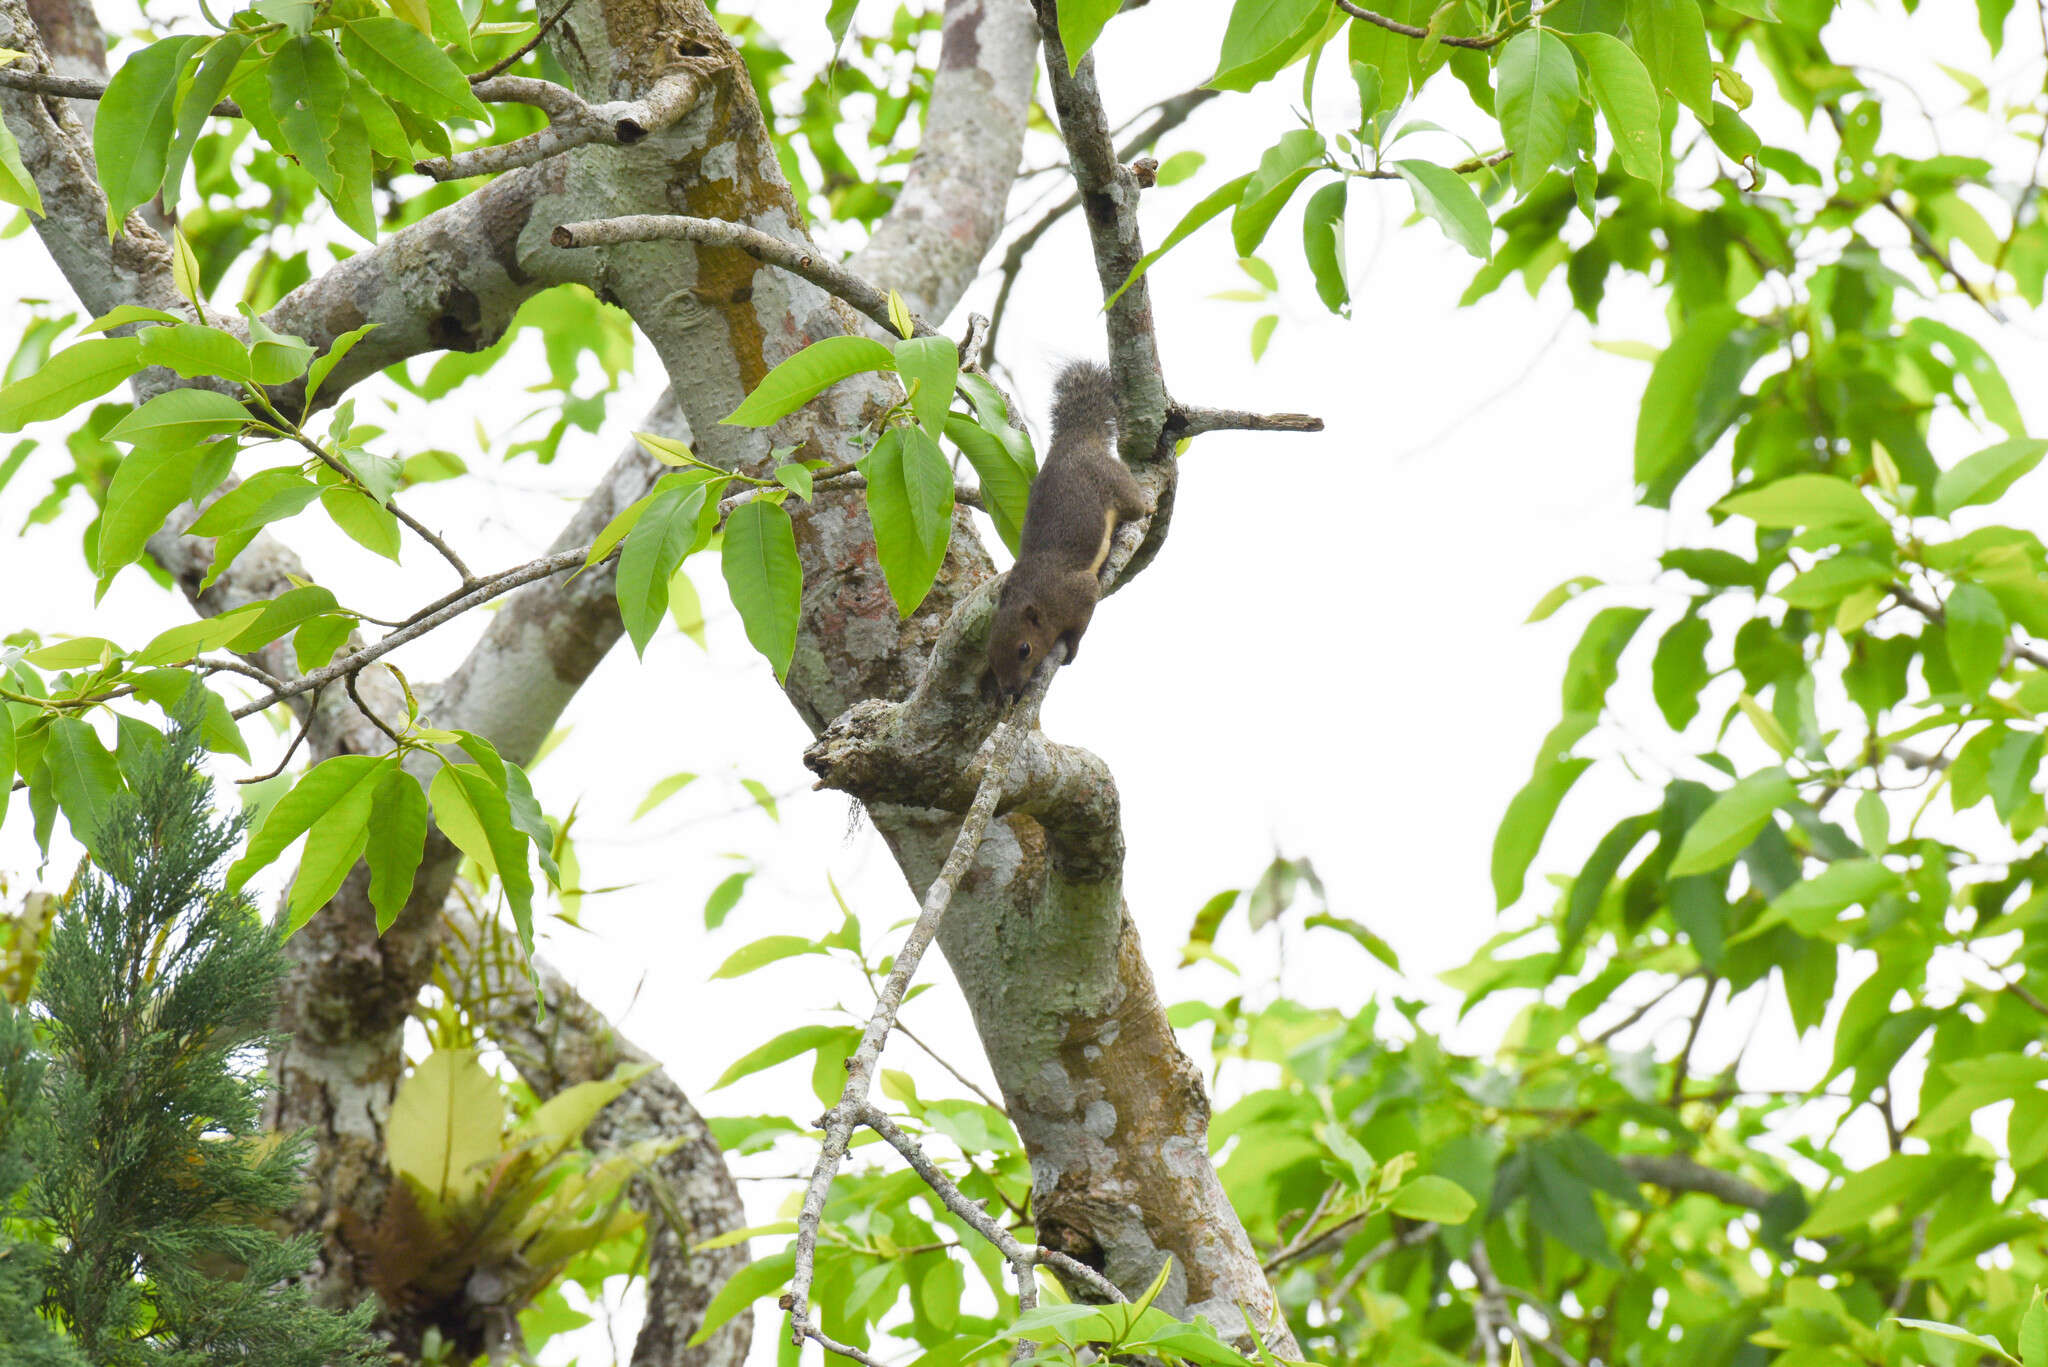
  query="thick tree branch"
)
[
  {"x": 1677, "y": 1173},
  {"x": 572, "y": 123}
]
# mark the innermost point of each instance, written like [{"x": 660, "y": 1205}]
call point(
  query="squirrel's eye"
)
[{"x": 1024, "y": 650}]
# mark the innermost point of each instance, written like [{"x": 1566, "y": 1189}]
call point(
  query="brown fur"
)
[{"x": 1080, "y": 496}]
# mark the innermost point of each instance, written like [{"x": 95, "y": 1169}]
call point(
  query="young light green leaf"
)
[
  {"x": 1442, "y": 194},
  {"x": 1523, "y": 826},
  {"x": 264, "y": 497},
  {"x": 1976, "y": 631},
  {"x": 795, "y": 478},
  {"x": 344, "y": 778},
  {"x": 1734, "y": 819},
  {"x": 1261, "y": 37},
  {"x": 1434, "y": 1198},
  {"x": 933, "y": 364},
  {"x": 899, "y": 317},
  {"x": 368, "y": 525},
  {"x": 1559, "y": 596},
  {"x": 17, "y": 185},
  {"x": 308, "y": 87},
  {"x": 808, "y": 374},
  {"x": 84, "y": 370},
  {"x": 662, "y": 792},
  {"x": 910, "y": 502},
  {"x": 320, "y": 369},
  {"x": 408, "y": 68},
  {"x": 195, "y": 105},
  {"x": 1539, "y": 96},
  {"x": 657, "y": 545},
  {"x": 147, "y": 485},
  {"x": 1282, "y": 167},
  {"x": 1955, "y": 1334},
  {"x": 276, "y": 357},
  {"x": 1622, "y": 89},
  {"x": 473, "y": 813},
  {"x": 765, "y": 578},
  {"x": 192, "y": 351},
  {"x": 1983, "y": 477},
  {"x": 83, "y": 775},
  {"x": 1671, "y": 36},
  {"x": 1081, "y": 23},
  {"x": 1224, "y": 196},
  {"x": 1005, "y": 488},
  {"x": 131, "y": 133},
  {"x": 1820, "y": 501},
  {"x": 762, "y": 952},
  {"x": 180, "y": 419},
  {"x": 1322, "y": 242}
]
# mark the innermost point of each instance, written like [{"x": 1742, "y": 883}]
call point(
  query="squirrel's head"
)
[{"x": 1017, "y": 640}]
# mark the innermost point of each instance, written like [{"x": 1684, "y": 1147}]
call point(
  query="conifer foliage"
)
[{"x": 149, "y": 1175}]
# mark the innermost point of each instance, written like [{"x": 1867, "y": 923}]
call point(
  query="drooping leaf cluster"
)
[{"x": 152, "y": 1177}]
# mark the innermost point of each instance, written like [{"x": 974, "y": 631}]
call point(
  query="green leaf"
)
[
  {"x": 1678, "y": 671},
  {"x": 808, "y": 374},
  {"x": 17, "y": 185},
  {"x": 1539, "y": 95},
  {"x": 795, "y": 478},
  {"x": 1595, "y": 660},
  {"x": 182, "y": 642},
  {"x": 1981, "y": 1342},
  {"x": 131, "y": 132},
  {"x": 2034, "y": 1333},
  {"x": 787, "y": 1045},
  {"x": 472, "y": 812},
  {"x": 329, "y": 784},
  {"x": 368, "y": 525},
  {"x": 659, "y": 541},
  {"x": 397, "y": 837},
  {"x": 1005, "y": 487},
  {"x": 1833, "y": 580},
  {"x": 324, "y": 365},
  {"x": 407, "y": 68},
  {"x": 767, "y": 950},
  {"x": 1911, "y": 1179},
  {"x": 662, "y": 792},
  {"x": 724, "y": 898},
  {"x": 910, "y": 501},
  {"x": 277, "y": 357},
  {"x": 1819, "y": 501},
  {"x": 1282, "y": 167},
  {"x": 1526, "y": 821},
  {"x": 1261, "y": 38},
  {"x": 1976, "y": 632},
  {"x": 282, "y": 614},
  {"x": 1982, "y": 478},
  {"x": 1622, "y": 89},
  {"x": 264, "y": 497},
  {"x": 747, "y": 1285},
  {"x": 334, "y": 843},
  {"x": 1081, "y": 23},
  {"x": 1434, "y": 1198},
  {"x": 180, "y": 418},
  {"x": 147, "y": 486},
  {"x": 84, "y": 370},
  {"x": 1735, "y": 818},
  {"x": 83, "y": 775},
  {"x": 1671, "y": 36},
  {"x": 308, "y": 87},
  {"x": 933, "y": 363},
  {"x": 1443, "y": 195},
  {"x": 193, "y": 351},
  {"x": 1224, "y": 196},
  {"x": 1687, "y": 403},
  {"x": 1322, "y": 242},
  {"x": 1811, "y": 905},
  {"x": 765, "y": 578},
  {"x": 209, "y": 82}
]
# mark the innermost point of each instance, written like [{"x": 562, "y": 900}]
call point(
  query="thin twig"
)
[
  {"x": 1189, "y": 420},
  {"x": 484, "y": 590},
  {"x": 499, "y": 68},
  {"x": 349, "y": 682},
  {"x": 80, "y": 88},
  {"x": 298, "y": 739},
  {"x": 958, "y": 1076},
  {"x": 852, "y": 1107},
  {"x": 1482, "y": 42},
  {"x": 1692, "y": 1035},
  {"x": 1375, "y": 1255}
]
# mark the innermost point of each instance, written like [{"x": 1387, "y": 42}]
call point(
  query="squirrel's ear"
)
[{"x": 1031, "y": 614}]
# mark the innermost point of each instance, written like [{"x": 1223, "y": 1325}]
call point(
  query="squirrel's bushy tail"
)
[{"x": 1083, "y": 401}]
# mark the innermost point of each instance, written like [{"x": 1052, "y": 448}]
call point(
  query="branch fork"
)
[{"x": 572, "y": 122}]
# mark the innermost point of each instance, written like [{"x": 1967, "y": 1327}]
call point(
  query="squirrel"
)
[{"x": 1078, "y": 499}]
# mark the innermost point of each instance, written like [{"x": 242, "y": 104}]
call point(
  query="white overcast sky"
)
[{"x": 1328, "y": 660}]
